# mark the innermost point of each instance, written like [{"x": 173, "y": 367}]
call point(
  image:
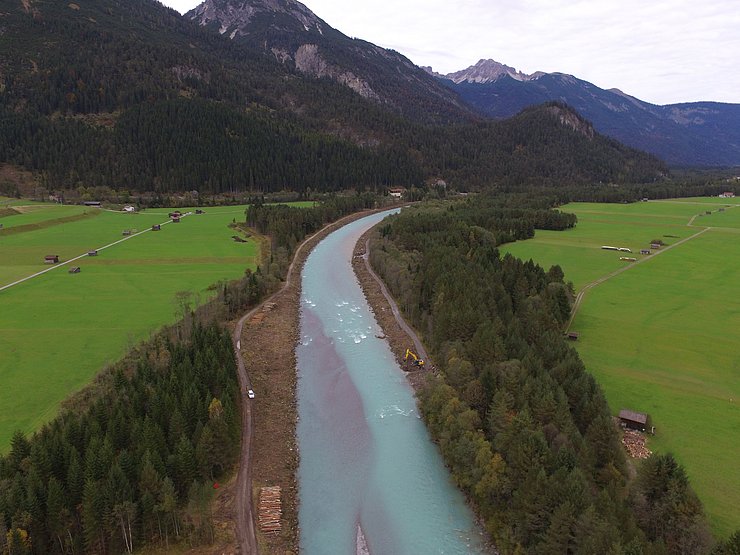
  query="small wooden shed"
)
[
  {"x": 633, "y": 420},
  {"x": 51, "y": 259}
]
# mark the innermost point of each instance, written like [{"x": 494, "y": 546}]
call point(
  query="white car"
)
[{"x": 250, "y": 394}]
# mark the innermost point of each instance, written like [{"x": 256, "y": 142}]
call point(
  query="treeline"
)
[
  {"x": 288, "y": 225},
  {"x": 525, "y": 430},
  {"x": 183, "y": 145},
  {"x": 137, "y": 463}
]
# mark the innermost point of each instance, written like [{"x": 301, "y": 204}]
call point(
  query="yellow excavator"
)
[{"x": 415, "y": 360}]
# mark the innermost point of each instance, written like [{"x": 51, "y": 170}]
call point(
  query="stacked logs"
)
[
  {"x": 270, "y": 510},
  {"x": 634, "y": 443}
]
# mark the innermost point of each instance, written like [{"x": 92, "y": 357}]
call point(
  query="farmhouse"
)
[
  {"x": 74, "y": 270},
  {"x": 156, "y": 227},
  {"x": 396, "y": 192},
  {"x": 51, "y": 259},
  {"x": 92, "y": 253},
  {"x": 633, "y": 420}
]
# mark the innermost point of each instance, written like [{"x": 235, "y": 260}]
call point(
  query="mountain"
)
[
  {"x": 688, "y": 134},
  {"x": 295, "y": 36},
  {"x": 130, "y": 95},
  {"x": 486, "y": 71}
]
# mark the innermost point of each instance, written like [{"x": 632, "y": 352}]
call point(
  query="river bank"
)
[{"x": 398, "y": 339}]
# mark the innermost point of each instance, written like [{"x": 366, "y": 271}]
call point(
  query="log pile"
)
[
  {"x": 634, "y": 443},
  {"x": 270, "y": 510}
]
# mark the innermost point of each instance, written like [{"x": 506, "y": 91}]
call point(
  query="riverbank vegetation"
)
[{"x": 525, "y": 430}]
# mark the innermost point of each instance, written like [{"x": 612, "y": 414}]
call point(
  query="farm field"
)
[
  {"x": 58, "y": 330},
  {"x": 661, "y": 338}
]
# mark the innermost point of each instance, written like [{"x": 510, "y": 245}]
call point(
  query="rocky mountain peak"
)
[
  {"x": 235, "y": 16},
  {"x": 486, "y": 71}
]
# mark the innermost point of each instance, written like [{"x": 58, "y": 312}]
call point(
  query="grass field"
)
[
  {"x": 662, "y": 337},
  {"x": 58, "y": 330}
]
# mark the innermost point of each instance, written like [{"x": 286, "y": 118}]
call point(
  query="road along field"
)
[
  {"x": 662, "y": 337},
  {"x": 57, "y": 330}
]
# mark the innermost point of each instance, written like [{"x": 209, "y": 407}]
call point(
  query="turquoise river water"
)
[{"x": 366, "y": 460}]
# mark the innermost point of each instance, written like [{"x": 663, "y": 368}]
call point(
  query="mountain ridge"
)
[{"x": 683, "y": 134}]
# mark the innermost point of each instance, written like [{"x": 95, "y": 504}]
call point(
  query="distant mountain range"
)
[
  {"x": 687, "y": 134},
  {"x": 261, "y": 95}
]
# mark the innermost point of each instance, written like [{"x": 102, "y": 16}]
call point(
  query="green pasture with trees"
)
[
  {"x": 58, "y": 330},
  {"x": 660, "y": 338}
]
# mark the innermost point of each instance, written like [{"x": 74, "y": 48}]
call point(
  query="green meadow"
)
[
  {"x": 662, "y": 337},
  {"x": 58, "y": 330}
]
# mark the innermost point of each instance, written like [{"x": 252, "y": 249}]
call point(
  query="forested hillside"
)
[
  {"x": 525, "y": 430},
  {"x": 131, "y": 95}
]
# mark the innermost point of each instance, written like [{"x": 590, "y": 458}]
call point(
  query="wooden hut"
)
[{"x": 633, "y": 420}]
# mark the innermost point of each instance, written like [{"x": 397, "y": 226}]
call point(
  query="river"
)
[{"x": 366, "y": 458}]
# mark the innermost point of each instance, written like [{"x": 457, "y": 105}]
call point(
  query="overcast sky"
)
[{"x": 661, "y": 51}]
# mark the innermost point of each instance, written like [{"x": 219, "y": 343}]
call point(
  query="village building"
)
[
  {"x": 396, "y": 192},
  {"x": 633, "y": 420}
]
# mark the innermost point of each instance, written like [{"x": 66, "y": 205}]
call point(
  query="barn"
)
[{"x": 633, "y": 420}]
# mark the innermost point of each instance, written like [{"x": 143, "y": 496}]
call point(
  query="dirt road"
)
[{"x": 602, "y": 279}]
